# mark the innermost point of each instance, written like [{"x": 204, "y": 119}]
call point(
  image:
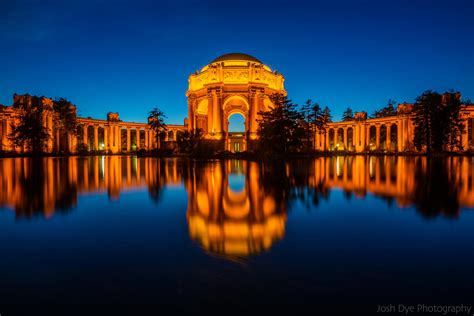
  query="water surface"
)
[{"x": 348, "y": 231}]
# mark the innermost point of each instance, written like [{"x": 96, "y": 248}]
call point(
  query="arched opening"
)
[
  {"x": 236, "y": 132},
  {"x": 340, "y": 139},
  {"x": 350, "y": 139},
  {"x": 393, "y": 137},
  {"x": 90, "y": 138},
  {"x": 170, "y": 136},
  {"x": 331, "y": 139},
  {"x": 101, "y": 137},
  {"x": 372, "y": 133},
  {"x": 383, "y": 137}
]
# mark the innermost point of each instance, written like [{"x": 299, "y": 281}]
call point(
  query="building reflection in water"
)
[
  {"x": 230, "y": 222},
  {"x": 247, "y": 219}
]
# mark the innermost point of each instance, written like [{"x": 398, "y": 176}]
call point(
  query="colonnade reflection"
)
[{"x": 247, "y": 219}]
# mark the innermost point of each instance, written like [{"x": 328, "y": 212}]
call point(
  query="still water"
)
[{"x": 327, "y": 232}]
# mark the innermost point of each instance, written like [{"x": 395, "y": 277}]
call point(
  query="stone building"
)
[{"x": 231, "y": 84}]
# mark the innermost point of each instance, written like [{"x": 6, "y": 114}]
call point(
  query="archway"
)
[{"x": 236, "y": 131}]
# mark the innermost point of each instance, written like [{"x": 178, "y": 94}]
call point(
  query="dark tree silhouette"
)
[
  {"x": 388, "y": 110},
  {"x": 156, "y": 120},
  {"x": 281, "y": 128},
  {"x": 29, "y": 131},
  {"x": 437, "y": 121},
  {"x": 348, "y": 115}
]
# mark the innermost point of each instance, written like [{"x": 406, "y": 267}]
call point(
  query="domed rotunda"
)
[{"x": 232, "y": 84}]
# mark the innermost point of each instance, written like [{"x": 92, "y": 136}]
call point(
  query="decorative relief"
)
[{"x": 236, "y": 75}]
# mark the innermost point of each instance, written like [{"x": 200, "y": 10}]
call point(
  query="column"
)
[
  {"x": 85, "y": 137},
  {"x": 253, "y": 115},
  {"x": 96, "y": 137},
  {"x": 367, "y": 136},
  {"x": 216, "y": 110},
  {"x": 128, "y": 139},
  {"x": 472, "y": 132},
  {"x": 4, "y": 135},
  {"x": 106, "y": 138},
  {"x": 146, "y": 139},
  {"x": 210, "y": 115},
  {"x": 58, "y": 140},
  {"x": 344, "y": 136},
  {"x": 465, "y": 135},
  {"x": 389, "y": 140},
  {"x": 119, "y": 138},
  {"x": 327, "y": 147},
  {"x": 49, "y": 122},
  {"x": 399, "y": 136},
  {"x": 316, "y": 140},
  {"x": 190, "y": 114},
  {"x": 166, "y": 136},
  {"x": 138, "y": 138},
  {"x": 377, "y": 136}
]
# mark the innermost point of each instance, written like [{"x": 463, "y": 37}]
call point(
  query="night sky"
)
[{"x": 129, "y": 56}]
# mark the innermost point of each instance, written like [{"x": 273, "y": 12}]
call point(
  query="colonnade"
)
[{"x": 394, "y": 133}]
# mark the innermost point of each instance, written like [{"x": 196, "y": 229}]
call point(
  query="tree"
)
[
  {"x": 65, "y": 118},
  {"x": 30, "y": 131},
  {"x": 189, "y": 142},
  {"x": 437, "y": 121},
  {"x": 388, "y": 110},
  {"x": 327, "y": 117},
  {"x": 156, "y": 120},
  {"x": 348, "y": 115},
  {"x": 281, "y": 128}
]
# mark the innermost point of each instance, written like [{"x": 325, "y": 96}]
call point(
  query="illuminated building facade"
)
[
  {"x": 111, "y": 135},
  {"x": 231, "y": 84}
]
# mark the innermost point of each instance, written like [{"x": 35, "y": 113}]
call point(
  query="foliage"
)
[
  {"x": 156, "y": 120},
  {"x": 29, "y": 130},
  {"x": 437, "y": 121},
  {"x": 388, "y": 110},
  {"x": 281, "y": 128},
  {"x": 66, "y": 116},
  {"x": 327, "y": 115},
  {"x": 348, "y": 115},
  {"x": 189, "y": 142}
]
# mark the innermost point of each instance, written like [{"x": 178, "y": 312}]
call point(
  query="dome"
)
[{"x": 236, "y": 56}]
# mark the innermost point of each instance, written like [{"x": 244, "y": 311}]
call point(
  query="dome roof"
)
[{"x": 236, "y": 56}]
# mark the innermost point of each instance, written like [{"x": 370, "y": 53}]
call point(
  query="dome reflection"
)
[{"x": 228, "y": 222}]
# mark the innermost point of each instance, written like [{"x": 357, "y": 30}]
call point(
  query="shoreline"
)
[{"x": 241, "y": 155}]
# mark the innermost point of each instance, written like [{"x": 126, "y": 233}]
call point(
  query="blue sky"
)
[{"x": 129, "y": 56}]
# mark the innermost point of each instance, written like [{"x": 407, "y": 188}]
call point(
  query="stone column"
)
[
  {"x": 49, "y": 123},
  {"x": 166, "y": 136},
  {"x": 146, "y": 139},
  {"x": 138, "y": 138},
  {"x": 217, "y": 126},
  {"x": 472, "y": 132},
  {"x": 119, "y": 138},
  {"x": 253, "y": 114},
  {"x": 96, "y": 137},
  {"x": 58, "y": 140},
  {"x": 106, "y": 138},
  {"x": 377, "y": 136},
  {"x": 3, "y": 143},
  {"x": 399, "y": 136},
  {"x": 190, "y": 114},
  {"x": 128, "y": 139},
  {"x": 465, "y": 135},
  {"x": 327, "y": 146},
  {"x": 388, "y": 143},
  {"x": 85, "y": 137},
  {"x": 344, "y": 136},
  {"x": 210, "y": 114},
  {"x": 316, "y": 140},
  {"x": 362, "y": 138}
]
